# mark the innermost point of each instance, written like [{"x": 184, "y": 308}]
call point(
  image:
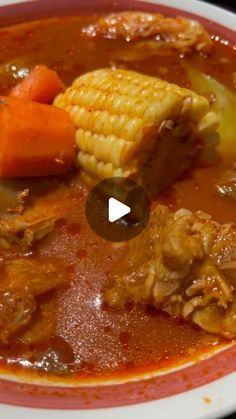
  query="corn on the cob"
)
[{"x": 129, "y": 124}]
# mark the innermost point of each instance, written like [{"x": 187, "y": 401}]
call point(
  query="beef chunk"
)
[
  {"x": 184, "y": 264},
  {"x": 22, "y": 282}
]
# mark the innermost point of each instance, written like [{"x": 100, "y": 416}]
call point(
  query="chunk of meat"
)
[
  {"x": 41, "y": 326},
  {"x": 22, "y": 282},
  {"x": 167, "y": 33},
  {"x": 184, "y": 264},
  {"x": 227, "y": 184},
  {"x": 23, "y": 231},
  {"x": 12, "y": 200}
]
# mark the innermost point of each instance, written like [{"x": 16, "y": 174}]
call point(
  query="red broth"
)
[{"x": 88, "y": 339}]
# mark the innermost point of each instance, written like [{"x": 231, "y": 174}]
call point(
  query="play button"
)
[{"x": 117, "y": 209}]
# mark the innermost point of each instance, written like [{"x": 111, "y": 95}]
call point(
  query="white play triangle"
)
[{"x": 117, "y": 210}]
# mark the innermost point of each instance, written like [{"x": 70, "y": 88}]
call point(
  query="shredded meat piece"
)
[
  {"x": 11, "y": 200},
  {"x": 25, "y": 229},
  {"x": 22, "y": 282},
  {"x": 167, "y": 33},
  {"x": 42, "y": 325},
  {"x": 23, "y": 232},
  {"x": 22, "y": 197},
  {"x": 184, "y": 264}
]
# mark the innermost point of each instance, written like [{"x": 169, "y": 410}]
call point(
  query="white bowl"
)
[{"x": 213, "y": 400}]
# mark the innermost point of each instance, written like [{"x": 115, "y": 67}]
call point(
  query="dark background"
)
[
  {"x": 230, "y": 5},
  {"x": 226, "y": 4}
]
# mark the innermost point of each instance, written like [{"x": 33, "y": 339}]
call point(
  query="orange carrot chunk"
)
[
  {"x": 35, "y": 139},
  {"x": 41, "y": 85}
]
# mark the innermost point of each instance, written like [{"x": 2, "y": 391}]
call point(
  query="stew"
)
[{"x": 56, "y": 273}]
